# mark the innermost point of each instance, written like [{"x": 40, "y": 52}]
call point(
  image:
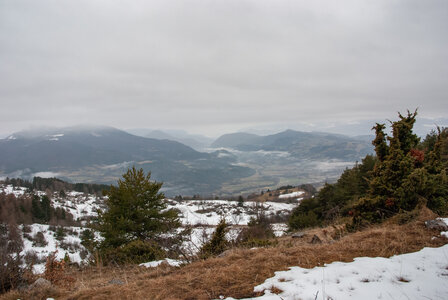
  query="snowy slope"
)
[
  {"x": 419, "y": 275},
  {"x": 210, "y": 212},
  {"x": 52, "y": 245}
]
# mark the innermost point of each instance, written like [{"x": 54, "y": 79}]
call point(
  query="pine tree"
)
[{"x": 135, "y": 211}]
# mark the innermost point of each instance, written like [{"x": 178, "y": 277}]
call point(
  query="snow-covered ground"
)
[
  {"x": 80, "y": 205},
  {"x": 210, "y": 212},
  {"x": 419, "y": 275},
  {"x": 9, "y": 189},
  {"x": 202, "y": 215},
  {"x": 71, "y": 239}
]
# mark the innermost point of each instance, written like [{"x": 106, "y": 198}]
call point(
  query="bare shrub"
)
[
  {"x": 11, "y": 244},
  {"x": 39, "y": 240},
  {"x": 55, "y": 271},
  {"x": 70, "y": 246}
]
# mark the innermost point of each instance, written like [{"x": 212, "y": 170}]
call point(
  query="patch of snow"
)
[
  {"x": 156, "y": 263},
  {"x": 55, "y": 137},
  {"x": 9, "y": 189},
  {"x": 52, "y": 245},
  {"x": 419, "y": 275},
  {"x": 291, "y": 195},
  {"x": 279, "y": 229},
  {"x": 444, "y": 233}
]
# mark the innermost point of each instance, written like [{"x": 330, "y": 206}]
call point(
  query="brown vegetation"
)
[{"x": 237, "y": 273}]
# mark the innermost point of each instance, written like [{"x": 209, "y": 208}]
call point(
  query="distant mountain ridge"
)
[
  {"x": 195, "y": 141},
  {"x": 83, "y": 146},
  {"x": 313, "y": 145},
  {"x": 102, "y": 154}
]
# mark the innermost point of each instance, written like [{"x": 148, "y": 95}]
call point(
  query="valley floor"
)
[{"x": 240, "y": 270}]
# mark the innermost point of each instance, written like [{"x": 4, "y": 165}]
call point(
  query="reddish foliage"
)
[
  {"x": 55, "y": 271},
  {"x": 390, "y": 202},
  {"x": 418, "y": 155}
]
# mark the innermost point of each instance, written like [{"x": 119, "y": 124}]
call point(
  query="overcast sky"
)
[{"x": 216, "y": 66}]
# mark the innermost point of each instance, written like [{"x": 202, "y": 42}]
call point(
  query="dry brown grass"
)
[{"x": 236, "y": 274}]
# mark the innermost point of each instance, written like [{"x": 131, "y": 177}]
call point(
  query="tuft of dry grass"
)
[{"x": 236, "y": 274}]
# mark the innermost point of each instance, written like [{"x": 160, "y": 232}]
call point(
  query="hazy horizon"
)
[{"x": 422, "y": 127}]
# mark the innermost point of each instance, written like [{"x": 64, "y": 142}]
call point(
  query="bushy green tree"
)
[
  {"x": 404, "y": 176},
  {"x": 136, "y": 211},
  {"x": 218, "y": 242}
]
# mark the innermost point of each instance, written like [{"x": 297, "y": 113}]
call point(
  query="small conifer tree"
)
[
  {"x": 136, "y": 212},
  {"x": 218, "y": 243}
]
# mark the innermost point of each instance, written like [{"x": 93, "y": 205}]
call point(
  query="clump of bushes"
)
[
  {"x": 134, "y": 252},
  {"x": 258, "y": 233},
  {"x": 404, "y": 175}
]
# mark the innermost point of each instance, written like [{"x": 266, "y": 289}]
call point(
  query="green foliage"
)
[
  {"x": 136, "y": 217},
  {"x": 259, "y": 243},
  {"x": 88, "y": 240},
  {"x": 135, "y": 211},
  {"x": 134, "y": 252},
  {"x": 59, "y": 234},
  {"x": 334, "y": 200},
  {"x": 405, "y": 174},
  {"x": 55, "y": 184},
  {"x": 258, "y": 232},
  {"x": 240, "y": 201},
  {"x": 217, "y": 244},
  {"x": 303, "y": 220}
]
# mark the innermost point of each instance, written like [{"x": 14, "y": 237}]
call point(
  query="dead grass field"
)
[{"x": 237, "y": 273}]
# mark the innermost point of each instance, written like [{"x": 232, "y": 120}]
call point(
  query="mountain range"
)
[
  {"x": 102, "y": 155},
  {"x": 304, "y": 145}
]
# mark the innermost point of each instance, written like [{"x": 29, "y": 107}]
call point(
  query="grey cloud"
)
[{"x": 214, "y": 66}]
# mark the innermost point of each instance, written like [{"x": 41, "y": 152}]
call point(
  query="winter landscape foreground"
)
[{"x": 324, "y": 273}]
